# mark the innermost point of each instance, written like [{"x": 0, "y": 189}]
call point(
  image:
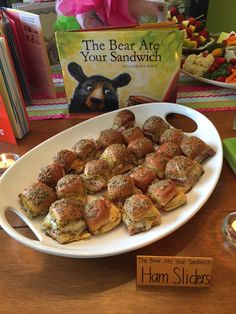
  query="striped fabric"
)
[
  {"x": 48, "y": 108},
  {"x": 205, "y": 97},
  {"x": 191, "y": 93}
]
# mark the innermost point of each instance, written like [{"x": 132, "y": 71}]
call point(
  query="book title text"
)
[{"x": 114, "y": 51}]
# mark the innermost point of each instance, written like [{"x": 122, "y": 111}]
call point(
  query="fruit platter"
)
[
  {"x": 204, "y": 58},
  {"x": 216, "y": 65},
  {"x": 196, "y": 36}
]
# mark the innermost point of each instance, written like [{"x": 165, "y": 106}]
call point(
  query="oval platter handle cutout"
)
[
  {"x": 183, "y": 122},
  {"x": 14, "y": 233}
]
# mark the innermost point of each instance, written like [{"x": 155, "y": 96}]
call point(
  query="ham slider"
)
[
  {"x": 108, "y": 137},
  {"x": 171, "y": 135},
  {"x": 196, "y": 149},
  {"x": 157, "y": 163},
  {"x": 184, "y": 171},
  {"x": 72, "y": 186},
  {"x": 132, "y": 134},
  {"x": 85, "y": 150},
  {"x": 51, "y": 174},
  {"x": 37, "y": 198},
  {"x": 154, "y": 126},
  {"x": 140, "y": 147},
  {"x": 64, "y": 222},
  {"x": 68, "y": 160},
  {"x": 123, "y": 119},
  {"x": 120, "y": 187},
  {"x": 142, "y": 177},
  {"x": 96, "y": 175},
  {"x": 101, "y": 216},
  {"x": 169, "y": 149},
  {"x": 140, "y": 214},
  {"x": 165, "y": 195},
  {"x": 119, "y": 158}
]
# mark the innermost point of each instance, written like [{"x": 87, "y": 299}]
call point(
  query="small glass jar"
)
[{"x": 229, "y": 229}]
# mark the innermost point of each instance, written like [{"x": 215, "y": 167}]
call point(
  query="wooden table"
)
[{"x": 35, "y": 282}]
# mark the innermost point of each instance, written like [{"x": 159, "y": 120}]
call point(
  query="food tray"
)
[{"x": 26, "y": 169}]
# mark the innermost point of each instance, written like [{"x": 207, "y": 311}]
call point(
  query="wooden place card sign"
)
[{"x": 173, "y": 271}]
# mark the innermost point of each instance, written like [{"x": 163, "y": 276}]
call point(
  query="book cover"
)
[
  {"x": 11, "y": 93},
  {"x": 6, "y": 131},
  {"x": 8, "y": 28},
  {"x": 9, "y": 109},
  {"x": 48, "y": 16},
  {"x": 109, "y": 69},
  {"x": 34, "y": 7},
  {"x": 33, "y": 47}
]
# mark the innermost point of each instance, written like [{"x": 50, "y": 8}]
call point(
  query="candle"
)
[
  {"x": 229, "y": 228},
  {"x": 7, "y": 160},
  {"x": 232, "y": 228}
]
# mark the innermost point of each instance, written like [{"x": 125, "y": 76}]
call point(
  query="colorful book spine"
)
[
  {"x": 6, "y": 127},
  {"x": 11, "y": 92}
]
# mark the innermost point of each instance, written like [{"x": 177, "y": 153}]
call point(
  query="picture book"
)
[
  {"x": 8, "y": 29},
  {"x": 47, "y": 13},
  {"x": 11, "y": 93},
  {"x": 32, "y": 47},
  {"x": 113, "y": 68},
  {"x": 6, "y": 131}
]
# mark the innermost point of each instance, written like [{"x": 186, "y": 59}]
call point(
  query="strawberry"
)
[
  {"x": 224, "y": 42},
  {"x": 204, "y": 32},
  {"x": 233, "y": 61},
  {"x": 220, "y": 60},
  {"x": 220, "y": 79},
  {"x": 216, "y": 65},
  {"x": 181, "y": 27},
  {"x": 191, "y": 20},
  {"x": 174, "y": 11},
  {"x": 198, "y": 25},
  {"x": 189, "y": 31},
  {"x": 180, "y": 17},
  {"x": 211, "y": 69}
]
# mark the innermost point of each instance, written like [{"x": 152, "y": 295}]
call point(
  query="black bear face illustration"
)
[{"x": 96, "y": 92}]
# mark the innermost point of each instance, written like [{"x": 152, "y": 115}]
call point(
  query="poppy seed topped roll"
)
[
  {"x": 119, "y": 158},
  {"x": 101, "y": 216},
  {"x": 124, "y": 119},
  {"x": 140, "y": 214},
  {"x": 96, "y": 175},
  {"x": 67, "y": 159},
  {"x": 37, "y": 198},
  {"x": 64, "y": 222},
  {"x": 72, "y": 186},
  {"x": 154, "y": 127},
  {"x": 120, "y": 187},
  {"x": 171, "y": 135},
  {"x": 51, "y": 173},
  {"x": 108, "y": 137}
]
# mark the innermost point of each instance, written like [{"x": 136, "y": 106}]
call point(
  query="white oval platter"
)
[
  {"x": 26, "y": 169},
  {"x": 208, "y": 81}
]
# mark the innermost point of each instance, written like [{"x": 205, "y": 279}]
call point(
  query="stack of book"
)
[
  {"x": 27, "y": 52},
  {"x": 13, "y": 114}
]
